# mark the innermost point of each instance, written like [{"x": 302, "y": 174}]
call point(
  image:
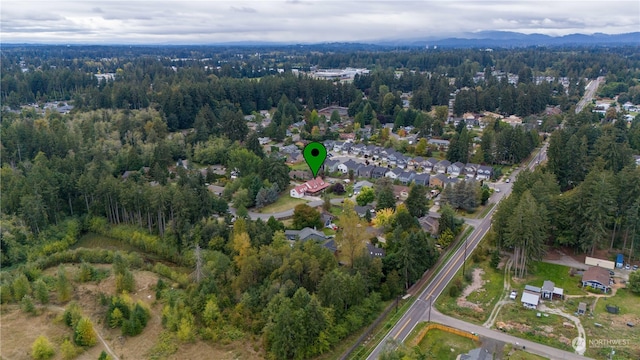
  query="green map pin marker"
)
[{"x": 314, "y": 154}]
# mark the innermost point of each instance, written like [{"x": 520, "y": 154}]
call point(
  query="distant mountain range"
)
[{"x": 507, "y": 39}]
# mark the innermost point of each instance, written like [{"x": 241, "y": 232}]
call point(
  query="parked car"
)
[
  {"x": 627, "y": 267},
  {"x": 635, "y": 267},
  {"x": 513, "y": 295},
  {"x": 611, "y": 273}
]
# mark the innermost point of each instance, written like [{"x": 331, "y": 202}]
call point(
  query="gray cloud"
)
[{"x": 141, "y": 21}]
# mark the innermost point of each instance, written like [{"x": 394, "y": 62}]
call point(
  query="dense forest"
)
[
  {"x": 131, "y": 162},
  {"x": 587, "y": 197}
]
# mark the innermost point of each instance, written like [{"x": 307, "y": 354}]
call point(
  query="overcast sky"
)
[{"x": 294, "y": 21}]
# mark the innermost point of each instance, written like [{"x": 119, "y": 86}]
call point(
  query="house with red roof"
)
[{"x": 311, "y": 187}]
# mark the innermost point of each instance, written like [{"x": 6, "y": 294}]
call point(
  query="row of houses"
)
[
  {"x": 420, "y": 176},
  {"x": 395, "y": 159}
]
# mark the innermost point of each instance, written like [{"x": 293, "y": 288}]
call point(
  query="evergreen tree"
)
[
  {"x": 41, "y": 291},
  {"x": 85, "y": 335},
  {"x": 417, "y": 201},
  {"x": 42, "y": 349}
]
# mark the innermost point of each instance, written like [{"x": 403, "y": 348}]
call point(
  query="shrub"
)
[
  {"x": 42, "y": 349},
  {"x": 41, "y": 291},
  {"x": 26, "y": 304},
  {"x": 87, "y": 272},
  {"x": 63, "y": 285},
  {"x": 125, "y": 282},
  {"x": 104, "y": 356},
  {"x": 69, "y": 351},
  {"x": 72, "y": 315},
  {"x": 454, "y": 291},
  {"x": 21, "y": 287}
]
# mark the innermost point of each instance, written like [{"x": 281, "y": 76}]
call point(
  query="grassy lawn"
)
[
  {"x": 547, "y": 330},
  {"x": 335, "y": 210},
  {"x": 559, "y": 274},
  {"x": 299, "y": 166},
  {"x": 486, "y": 297},
  {"x": 613, "y": 326},
  {"x": 519, "y": 355},
  {"x": 284, "y": 202},
  {"x": 443, "y": 345}
]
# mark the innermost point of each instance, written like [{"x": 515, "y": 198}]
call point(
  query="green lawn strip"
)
[
  {"x": 519, "y": 355},
  {"x": 486, "y": 210},
  {"x": 382, "y": 330},
  {"x": 284, "y": 202},
  {"x": 525, "y": 324},
  {"x": 612, "y": 327},
  {"x": 559, "y": 274},
  {"x": 440, "y": 344}
]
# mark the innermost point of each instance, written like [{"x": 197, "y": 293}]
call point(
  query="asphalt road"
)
[
  {"x": 421, "y": 309},
  {"x": 589, "y": 93}
]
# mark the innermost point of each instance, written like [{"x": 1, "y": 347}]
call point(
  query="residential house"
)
[
  {"x": 328, "y": 144},
  {"x": 402, "y": 161},
  {"x": 331, "y": 165},
  {"x": 363, "y": 210},
  {"x": 357, "y": 149},
  {"x": 476, "y": 354},
  {"x": 416, "y": 162},
  {"x": 455, "y": 169},
  {"x": 484, "y": 172},
  {"x": 392, "y": 158},
  {"x": 305, "y": 234},
  {"x": 378, "y": 172},
  {"x": 597, "y": 278},
  {"x": 337, "y": 146},
  {"x": 438, "y": 181},
  {"x": 547, "y": 290},
  {"x": 441, "y": 166},
  {"x": 311, "y": 187},
  {"x": 359, "y": 185},
  {"x": 393, "y": 173},
  {"x": 368, "y": 151},
  {"x": 429, "y": 164},
  {"x": 365, "y": 170},
  {"x": 375, "y": 252},
  {"x": 429, "y": 224},
  {"x": 327, "y": 219},
  {"x": 470, "y": 170},
  {"x": 346, "y": 148},
  {"x": 421, "y": 179},
  {"x": 375, "y": 153},
  {"x": 400, "y": 192},
  {"x": 406, "y": 177},
  {"x": 349, "y": 165},
  {"x": 530, "y": 300},
  {"x": 441, "y": 144}
]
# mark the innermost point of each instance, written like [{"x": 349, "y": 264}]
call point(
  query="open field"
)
[
  {"x": 438, "y": 344},
  {"x": 480, "y": 301},
  {"x": 613, "y": 327},
  {"x": 547, "y": 329},
  {"x": 284, "y": 202}
]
